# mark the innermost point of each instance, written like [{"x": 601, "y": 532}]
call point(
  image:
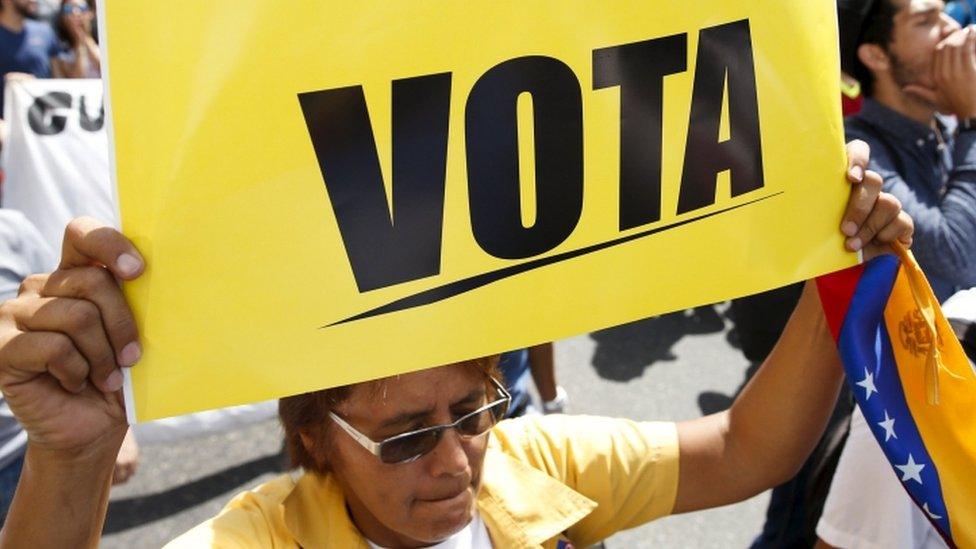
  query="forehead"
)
[
  {"x": 416, "y": 390},
  {"x": 913, "y": 7}
]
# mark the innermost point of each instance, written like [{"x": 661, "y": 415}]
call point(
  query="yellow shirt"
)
[{"x": 545, "y": 479}]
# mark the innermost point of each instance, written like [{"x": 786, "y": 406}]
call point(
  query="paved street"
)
[{"x": 669, "y": 367}]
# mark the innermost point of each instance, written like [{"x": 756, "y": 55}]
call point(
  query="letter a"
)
[{"x": 724, "y": 53}]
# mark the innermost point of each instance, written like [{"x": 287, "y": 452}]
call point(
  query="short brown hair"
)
[
  {"x": 309, "y": 413},
  {"x": 877, "y": 28}
]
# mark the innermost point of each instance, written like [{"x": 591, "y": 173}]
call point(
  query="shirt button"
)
[{"x": 920, "y": 142}]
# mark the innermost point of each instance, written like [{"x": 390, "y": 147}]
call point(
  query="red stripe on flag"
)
[{"x": 836, "y": 290}]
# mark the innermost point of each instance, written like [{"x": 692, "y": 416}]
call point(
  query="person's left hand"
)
[{"x": 874, "y": 219}]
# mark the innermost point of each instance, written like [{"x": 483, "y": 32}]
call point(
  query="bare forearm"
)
[
  {"x": 61, "y": 502},
  {"x": 774, "y": 423},
  {"x": 781, "y": 414}
]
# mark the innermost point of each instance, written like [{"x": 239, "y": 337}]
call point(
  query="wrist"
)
[
  {"x": 62, "y": 495},
  {"x": 91, "y": 455}
]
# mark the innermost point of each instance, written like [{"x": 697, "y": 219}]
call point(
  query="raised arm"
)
[
  {"x": 63, "y": 342},
  {"x": 763, "y": 439}
]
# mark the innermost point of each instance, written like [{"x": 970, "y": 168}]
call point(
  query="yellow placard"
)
[{"x": 328, "y": 192}]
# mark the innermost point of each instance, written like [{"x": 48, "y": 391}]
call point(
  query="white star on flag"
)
[
  {"x": 925, "y": 507},
  {"x": 867, "y": 383},
  {"x": 889, "y": 426},
  {"x": 911, "y": 470}
]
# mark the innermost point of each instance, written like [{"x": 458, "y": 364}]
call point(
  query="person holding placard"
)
[{"x": 407, "y": 461}]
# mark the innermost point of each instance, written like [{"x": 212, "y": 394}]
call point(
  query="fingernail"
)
[
  {"x": 130, "y": 354},
  {"x": 854, "y": 244},
  {"x": 114, "y": 381},
  {"x": 849, "y": 228},
  {"x": 128, "y": 264},
  {"x": 857, "y": 173}
]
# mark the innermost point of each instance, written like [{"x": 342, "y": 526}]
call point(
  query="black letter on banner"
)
[
  {"x": 725, "y": 50},
  {"x": 639, "y": 69},
  {"x": 383, "y": 248},
  {"x": 491, "y": 133},
  {"x": 87, "y": 122},
  {"x": 38, "y": 111}
]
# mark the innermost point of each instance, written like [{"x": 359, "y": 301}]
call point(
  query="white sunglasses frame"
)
[{"x": 375, "y": 447}]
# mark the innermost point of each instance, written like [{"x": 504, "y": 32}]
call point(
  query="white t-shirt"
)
[
  {"x": 867, "y": 507},
  {"x": 473, "y": 536}
]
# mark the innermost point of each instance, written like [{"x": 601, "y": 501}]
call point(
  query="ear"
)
[
  {"x": 308, "y": 442},
  {"x": 874, "y": 57}
]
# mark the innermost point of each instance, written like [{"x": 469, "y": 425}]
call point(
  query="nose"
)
[{"x": 449, "y": 457}]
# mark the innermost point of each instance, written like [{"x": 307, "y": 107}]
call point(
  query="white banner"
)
[{"x": 56, "y": 154}]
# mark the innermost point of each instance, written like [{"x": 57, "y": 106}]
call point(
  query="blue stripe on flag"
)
[{"x": 865, "y": 349}]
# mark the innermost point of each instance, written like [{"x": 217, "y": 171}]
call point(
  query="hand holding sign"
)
[
  {"x": 873, "y": 219},
  {"x": 64, "y": 339}
]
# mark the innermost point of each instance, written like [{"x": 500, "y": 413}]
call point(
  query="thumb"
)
[{"x": 89, "y": 242}]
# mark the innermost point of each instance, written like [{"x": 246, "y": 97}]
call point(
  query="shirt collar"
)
[
  {"x": 905, "y": 129},
  {"x": 524, "y": 507},
  {"x": 521, "y": 506},
  {"x": 315, "y": 514}
]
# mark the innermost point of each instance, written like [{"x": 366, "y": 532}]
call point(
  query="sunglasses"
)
[
  {"x": 412, "y": 445},
  {"x": 72, "y": 9}
]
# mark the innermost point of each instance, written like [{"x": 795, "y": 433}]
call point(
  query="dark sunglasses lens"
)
[
  {"x": 482, "y": 421},
  {"x": 406, "y": 448},
  {"x": 499, "y": 412}
]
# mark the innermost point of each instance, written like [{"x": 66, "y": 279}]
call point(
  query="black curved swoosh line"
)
[{"x": 459, "y": 287}]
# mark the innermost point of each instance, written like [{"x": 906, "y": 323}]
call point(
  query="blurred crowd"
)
[
  {"x": 48, "y": 39},
  {"x": 908, "y": 89}
]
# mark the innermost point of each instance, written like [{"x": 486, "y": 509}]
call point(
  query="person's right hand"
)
[
  {"x": 63, "y": 342},
  {"x": 954, "y": 75}
]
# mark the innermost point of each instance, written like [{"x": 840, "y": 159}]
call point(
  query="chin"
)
[{"x": 444, "y": 520}]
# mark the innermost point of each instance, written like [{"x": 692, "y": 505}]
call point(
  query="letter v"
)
[{"x": 385, "y": 249}]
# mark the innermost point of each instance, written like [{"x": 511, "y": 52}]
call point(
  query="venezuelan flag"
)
[{"x": 913, "y": 383}]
